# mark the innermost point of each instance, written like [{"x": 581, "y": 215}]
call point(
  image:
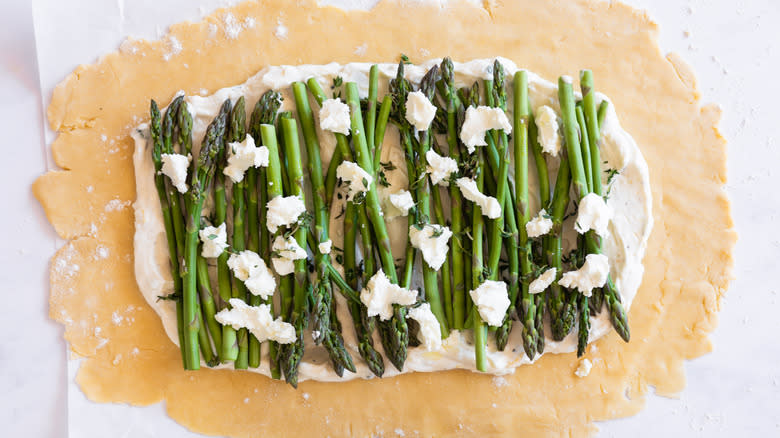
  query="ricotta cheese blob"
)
[
  {"x": 248, "y": 267},
  {"x": 380, "y": 294},
  {"x": 583, "y": 369},
  {"x": 258, "y": 320},
  {"x": 334, "y": 116},
  {"x": 420, "y": 112},
  {"x": 174, "y": 166},
  {"x": 492, "y": 300},
  {"x": 593, "y": 274},
  {"x": 283, "y": 211},
  {"x": 630, "y": 198},
  {"x": 431, "y": 240},
  {"x": 548, "y": 135},
  {"x": 440, "y": 168},
  {"x": 488, "y": 204},
  {"x": 593, "y": 214},
  {"x": 356, "y": 179},
  {"x": 400, "y": 203},
  {"x": 479, "y": 120},
  {"x": 243, "y": 155},
  {"x": 540, "y": 225},
  {"x": 285, "y": 253},
  {"x": 430, "y": 331},
  {"x": 541, "y": 283},
  {"x": 325, "y": 247},
  {"x": 214, "y": 241}
]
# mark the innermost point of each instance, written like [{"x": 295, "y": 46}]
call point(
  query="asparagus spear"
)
[
  {"x": 293, "y": 352},
  {"x": 477, "y": 273},
  {"x": 395, "y": 333},
  {"x": 170, "y": 133},
  {"x": 365, "y": 160},
  {"x": 155, "y": 130},
  {"x": 592, "y": 242},
  {"x": 528, "y": 303},
  {"x": 381, "y": 126},
  {"x": 333, "y": 340},
  {"x": 430, "y": 280},
  {"x": 200, "y": 181},
  {"x": 364, "y": 326},
  {"x": 274, "y": 188},
  {"x": 207, "y": 303},
  {"x": 591, "y": 117},
  {"x": 446, "y": 279},
  {"x": 370, "y": 116},
  {"x": 264, "y": 112},
  {"x": 456, "y": 199}
]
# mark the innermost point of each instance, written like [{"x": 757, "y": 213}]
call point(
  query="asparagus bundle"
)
[{"x": 499, "y": 248}]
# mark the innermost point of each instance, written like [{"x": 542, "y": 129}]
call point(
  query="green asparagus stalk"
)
[
  {"x": 364, "y": 326},
  {"x": 365, "y": 160},
  {"x": 456, "y": 199},
  {"x": 370, "y": 116},
  {"x": 333, "y": 341},
  {"x": 237, "y": 133},
  {"x": 207, "y": 304},
  {"x": 446, "y": 279},
  {"x": 381, "y": 127},
  {"x": 430, "y": 280},
  {"x": 170, "y": 233},
  {"x": 592, "y": 242},
  {"x": 171, "y": 133},
  {"x": 591, "y": 117},
  {"x": 264, "y": 112},
  {"x": 274, "y": 188},
  {"x": 477, "y": 270},
  {"x": 293, "y": 352},
  {"x": 521, "y": 121},
  {"x": 200, "y": 181}
]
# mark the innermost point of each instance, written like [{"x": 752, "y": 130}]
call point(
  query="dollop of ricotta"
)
[
  {"x": 285, "y": 253},
  {"x": 583, "y": 369},
  {"x": 431, "y": 240},
  {"x": 258, "y": 320},
  {"x": 380, "y": 294},
  {"x": 283, "y": 211},
  {"x": 492, "y": 300},
  {"x": 243, "y": 155},
  {"x": 548, "y": 130},
  {"x": 420, "y": 112},
  {"x": 334, "y": 116},
  {"x": 396, "y": 204},
  {"x": 248, "y": 267},
  {"x": 440, "y": 168},
  {"x": 357, "y": 180},
  {"x": 541, "y": 283},
  {"x": 214, "y": 241},
  {"x": 488, "y": 204},
  {"x": 430, "y": 332},
  {"x": 593, "y": 274},
  {"x": 174, "y": 166},
  {"x": 479, "y": 120},
  {"x": 593, "y": 214},
  {"x": 325, "y": 247},
  {"x": 540, "y": 225}
]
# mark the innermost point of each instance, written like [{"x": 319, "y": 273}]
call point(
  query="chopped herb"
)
[{"x": 389, "y": 166}]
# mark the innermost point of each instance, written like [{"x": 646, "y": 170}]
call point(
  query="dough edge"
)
[{"x": 686, "y": 270}]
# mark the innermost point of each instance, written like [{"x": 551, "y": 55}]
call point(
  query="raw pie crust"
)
[{"x": 128, "y": 357}]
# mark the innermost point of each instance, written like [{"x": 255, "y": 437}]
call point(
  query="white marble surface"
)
[{"x": 733, "y": 391}]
